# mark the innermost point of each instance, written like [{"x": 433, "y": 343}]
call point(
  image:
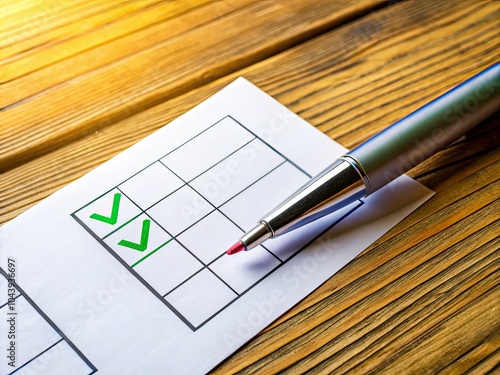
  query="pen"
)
[{"x": 382, "y": 158}]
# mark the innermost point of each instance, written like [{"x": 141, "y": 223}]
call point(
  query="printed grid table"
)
[
  {"x": 184, "y": 210},
  {"x": 50, "y": 351}
]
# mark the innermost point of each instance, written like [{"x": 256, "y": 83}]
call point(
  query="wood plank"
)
[
  {"x": 448, "y": 339},
  {"x": 45, "y": 49},
  {"x": 488, "y": 365},
  {"x": 37, "y": 17},
  {"x": 475, "y": 356},
  {"x": 130, "y": 84},
  {"x": 49, "y": 67},
  {"x": 283, "y": 77},
  {"x": 401, "y": 329},
  {"x": 8, "y": 10}
]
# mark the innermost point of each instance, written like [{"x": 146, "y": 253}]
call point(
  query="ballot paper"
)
[{"x": 124, "y": 271}]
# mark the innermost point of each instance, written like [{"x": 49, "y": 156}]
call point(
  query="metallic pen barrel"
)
[
  {"x": 385, "y": 156},
  {"x": 429, "y": 129},
  {"x": 337, "y": 186}
]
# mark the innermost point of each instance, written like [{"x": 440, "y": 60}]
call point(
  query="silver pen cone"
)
[{"x": 337, "y": 186}]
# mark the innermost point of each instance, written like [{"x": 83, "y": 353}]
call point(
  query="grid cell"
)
[
  {"x": 107, "y": 213},
  {"x": 168, "y": 267},
  {"x": 44, "y": 349},
  {"x": 180, "y": 210},
  {"x": 203, "y": 290},
  {"x": 151, "y": 185},
  {"x": 137, "y": 239},
  {"x": 210, "y": 237},
  {"x": 264, "y": 195},
  {"x": 36, "y": 334},
  {"x": 241, "y": 272},
  {"x": 58, "y": 359},
  {"x": 206, "y": 149},
  {"x": 235, "y": 173},
  {"x": 289, "y": 244}
]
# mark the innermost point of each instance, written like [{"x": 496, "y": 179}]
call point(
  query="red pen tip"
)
[{"x": 236, "y": 248}]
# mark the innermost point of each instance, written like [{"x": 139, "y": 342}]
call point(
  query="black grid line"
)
[
  {"x": 51, "y": 323},
  {"x": 6, "y": 303},
  {"x": 35, "y": 357}
]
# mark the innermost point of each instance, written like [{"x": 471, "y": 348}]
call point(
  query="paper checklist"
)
[{"x": 124, "y": 271}]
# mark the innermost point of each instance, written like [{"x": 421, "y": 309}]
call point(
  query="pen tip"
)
[{"x": 236, "y": 248}]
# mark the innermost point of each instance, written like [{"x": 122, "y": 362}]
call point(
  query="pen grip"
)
[{"x": 428, "y": 130}]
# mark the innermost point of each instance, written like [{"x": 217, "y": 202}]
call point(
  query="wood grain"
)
[
  {"x": 50, "y": 25},
  {"x": 288, "y": 83},
  {"x": 421, "y": 299},
  {"x": 164, "y": 63}
]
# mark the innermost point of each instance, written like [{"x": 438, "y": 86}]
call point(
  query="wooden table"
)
[{"x": 82, "y": 80}]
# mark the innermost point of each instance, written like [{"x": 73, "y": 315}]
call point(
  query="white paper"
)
[{"x": 124, "y": 271}]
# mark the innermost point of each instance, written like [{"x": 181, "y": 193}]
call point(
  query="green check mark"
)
[
  {"x": 143, "y": 245},
  {"x": 114, "y": 212}
]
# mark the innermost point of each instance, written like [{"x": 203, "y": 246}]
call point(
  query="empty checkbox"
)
[
  {"x": 151, "y": 185},
  {"x": 200, "y": 297}
]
